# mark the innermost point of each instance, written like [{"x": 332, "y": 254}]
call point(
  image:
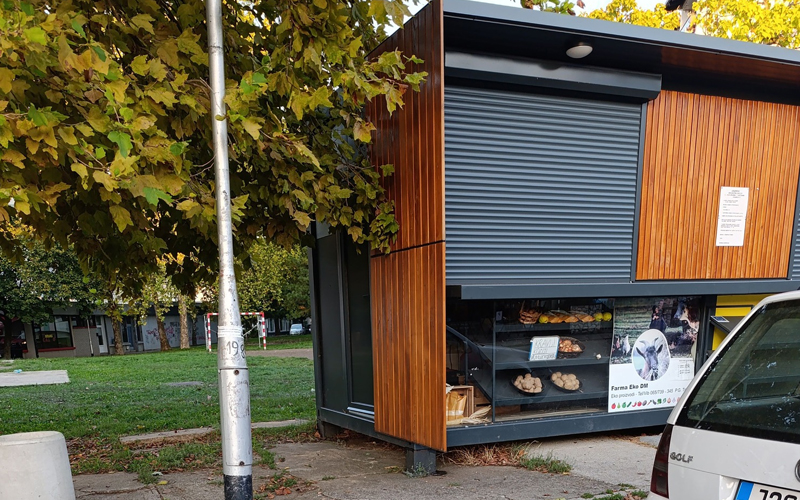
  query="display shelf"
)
[
  {"x": 593, "y": 387},
  {"x": 550, "y": 327},
  {"x": 516, "y": 356}
]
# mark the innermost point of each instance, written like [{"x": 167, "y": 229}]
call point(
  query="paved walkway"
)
[
  {"x": 45, "y": 377},
  {"x": 282, "y": 353},
  {"x": 368, "y": 470},
  {"x": 189, "y": 434}
]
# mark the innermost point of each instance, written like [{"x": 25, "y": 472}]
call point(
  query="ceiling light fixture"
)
[{"x": 579, "y": 51}]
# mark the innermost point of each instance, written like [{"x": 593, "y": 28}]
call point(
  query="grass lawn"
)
[{"x": 113, "y": 396}]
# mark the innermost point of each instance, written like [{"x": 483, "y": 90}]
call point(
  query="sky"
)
[{"x": 590, "y": 4}]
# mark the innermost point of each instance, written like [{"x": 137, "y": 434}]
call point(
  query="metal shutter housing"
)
[{"x": 539, "y": 188}]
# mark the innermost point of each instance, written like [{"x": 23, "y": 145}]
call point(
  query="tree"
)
[
  {"x": 105, "y": 125},
  {"x": 113, "y": 311},
  {"x": 771, "y": 22},
  {"x": 39, "y": 280},
  {"x": 626, "y": 11},
  {"x": 182, "y": 310},
  {"x": 559, "y": 6},
  {"x": 158, "y": 293},
  {"x": 274, "y": 282}
]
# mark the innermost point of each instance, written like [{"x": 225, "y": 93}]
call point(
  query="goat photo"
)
[{"x": 651, "y": 355}]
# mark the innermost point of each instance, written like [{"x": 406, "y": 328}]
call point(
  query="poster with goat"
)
[{"x": 652, "y": 352}]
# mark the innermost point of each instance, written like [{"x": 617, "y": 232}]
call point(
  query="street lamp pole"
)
[{"x": 234, "y": 377}]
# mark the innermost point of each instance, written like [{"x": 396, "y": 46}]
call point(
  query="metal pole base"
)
[
  {"x": 238, "y": 487},
  {"x": 420, "y": 460}
]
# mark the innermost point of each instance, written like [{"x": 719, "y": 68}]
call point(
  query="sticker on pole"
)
[{"x": 231, "y": 347}]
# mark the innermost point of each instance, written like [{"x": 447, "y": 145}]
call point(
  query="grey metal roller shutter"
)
[{"x": 538, "y": 188}]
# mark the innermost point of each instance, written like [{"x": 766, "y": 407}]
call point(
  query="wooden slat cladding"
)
[
  {"x": 412, "y": 138},
  {"x": 408, "y": 324},
  {"x": 696, "y": 144},
  {"x": 407, "y": 285}
]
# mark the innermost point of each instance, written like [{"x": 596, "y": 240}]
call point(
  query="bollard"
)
[{"x": 35, "y": 465}]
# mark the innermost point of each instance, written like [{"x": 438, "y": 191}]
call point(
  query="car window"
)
[{"x": 753, "y": 388}]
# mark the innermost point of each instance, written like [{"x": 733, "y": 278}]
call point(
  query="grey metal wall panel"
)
[
  {"x": 795, "y": 272},
  {"x": 538, "y": 188},
  {"x": 794, "y": 258}
]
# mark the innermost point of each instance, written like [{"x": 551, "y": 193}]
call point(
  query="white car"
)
[
  {"x": 296, "y": 329},
  {"x": 735, "y": 434}
]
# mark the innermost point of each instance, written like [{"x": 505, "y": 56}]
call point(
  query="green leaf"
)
[
  {"x": 100, "y": 152},
  {"x": 78, "y": 28},
  {"x": 178, "y": 148},
  {"x": 126, "y": 113},
  {"x": 100, "y": 53},
  {"x": 26, "y": 8},
  {"x": 259, "y": 78},
  {"x": 121, "y": 217},
  {"x": 122, "y": 140},
  {"x": 152, "y": 195},
  {"x": 36, "y": 35},
  {"x": 37, "y": 117}
]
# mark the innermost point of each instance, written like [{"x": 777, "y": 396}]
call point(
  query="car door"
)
[{"x": 737, "y": 434}]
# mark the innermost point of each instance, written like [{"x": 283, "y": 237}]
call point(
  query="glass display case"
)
[{"x": 532, "y": 358}]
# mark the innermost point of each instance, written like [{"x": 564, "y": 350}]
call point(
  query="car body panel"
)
[{"x": 708, "y": 465}]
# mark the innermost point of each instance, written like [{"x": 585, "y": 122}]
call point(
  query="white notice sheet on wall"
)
[{"x": 732, "y": 215}]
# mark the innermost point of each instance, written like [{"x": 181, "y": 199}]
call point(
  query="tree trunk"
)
[
  {"x": 116, "y": 328},
  {"x": 162, "y": 335},
  {"x": 7, "y": 337},
  {"x": 184, "y": 322},
  {"x": 119, "y": 346}
]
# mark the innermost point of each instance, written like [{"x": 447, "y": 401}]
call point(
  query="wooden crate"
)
[{"x": 480, "y": 399}]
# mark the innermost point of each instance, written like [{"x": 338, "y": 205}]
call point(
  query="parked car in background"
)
[
  {"x": 296, "y": 329},
  {"x": 735, "y": 433}
]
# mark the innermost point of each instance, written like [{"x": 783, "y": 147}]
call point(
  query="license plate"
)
[{"x": 754, "y": 491}]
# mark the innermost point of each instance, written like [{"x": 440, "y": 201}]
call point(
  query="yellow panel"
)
[
  {"x": 733, "y": 305},
  {"x": 738, "y": 300},
  {"x": 733, "y": 311},
  {"x": 719, "y": 336}
]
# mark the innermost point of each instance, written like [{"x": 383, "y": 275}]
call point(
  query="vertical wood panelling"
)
[
  {"x": 407, "y": 285},
  {"x": 696, "y": 144},
  {"x": 408, "y": 318},
  {"x": 411, "y": 138}
]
